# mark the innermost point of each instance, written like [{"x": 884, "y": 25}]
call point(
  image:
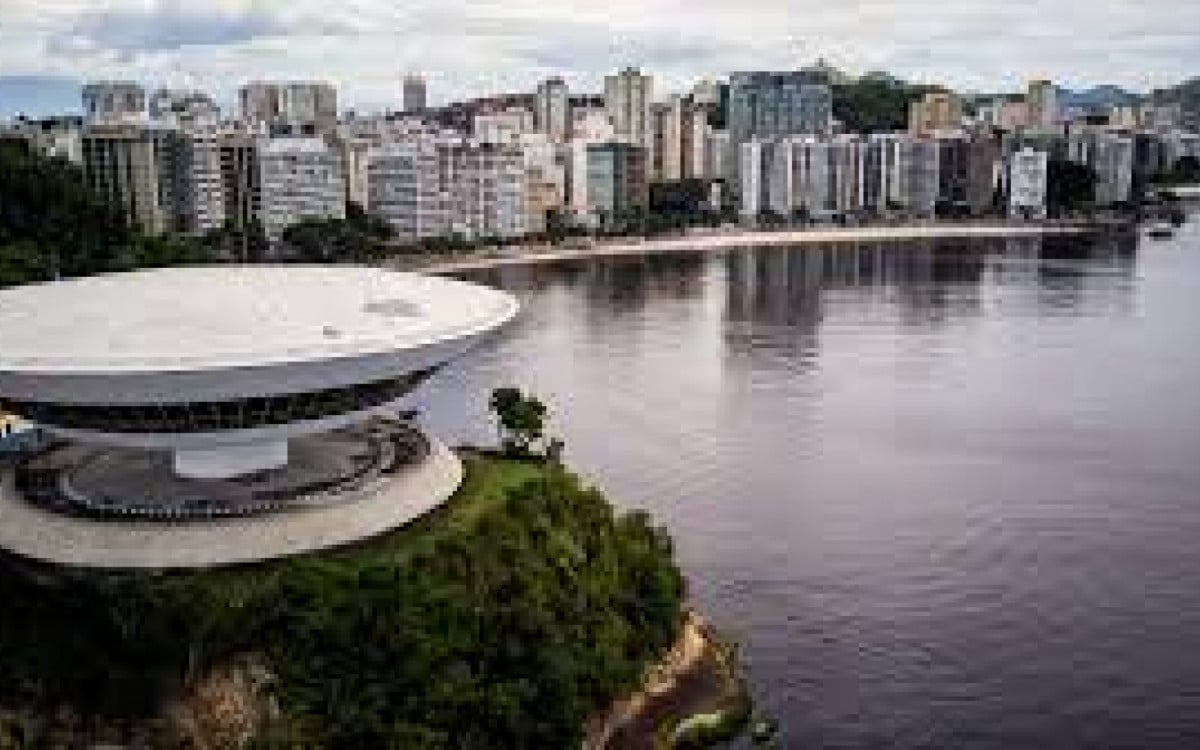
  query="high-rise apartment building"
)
[
  {"x": 290, "y": 108},
  {"x": 183, "y": 107},
  {"x": 609, "y": 181},
  {"x": 1042, "y": 103},
  {"x": 823, "y": 178},
  {"x": 552, "y": 110},
  {"x": 966, "y": 172},
  {"x": 414, "y": 93},
  {"x": 935, "y": 113},
  {"x": 756, "y": 162},
  {"x": 241, "y": 187},
  {"x": 201, "y": 188},
  {"x": 1027, "y": 183},
  {"x": 136, "y": 167},
  {"x": 504, "y": 127},
  {"x": 429, "y": 187},
  {"x": 771, "y": 105},
  {"x": 405, "y": 188},
  {"x": 1110, "y": 156},
  {"x": 627, "y": 98},
  {"x": 108, "y": 102},
  {"x": 300, "y": 178},
  {"x": 678, "y": 130}
]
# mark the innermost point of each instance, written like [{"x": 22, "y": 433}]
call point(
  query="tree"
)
[
  {"x": 358, "y": 238},
  {"x": 52, "y": 225},
  {"x": 520, "y": 420}
]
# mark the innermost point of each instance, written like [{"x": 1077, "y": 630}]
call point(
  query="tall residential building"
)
[
  {"x": 609, "y": 181},
  {"x": 756, "y": 163},
  {"x": 405, "y": 188},
  {"x": 136, "y": 167},
  {"x": 504, "y": 127},
  {"x": 290, "y": 108},
  {"x": 1027, "y": 183},
  {"x": 966, "y": 172},
  {"x": 936, "y": 112},
  {"x": 1042, "y": 103},
  {"x": 107, "y": 102},
  {"x": 823, "y": 178},
  {"x": 552, "y": 110},
  {"x": 241, "y": 184},
  {"x": 300, "y": 178},
  {"x": 678, "y": 131},
  {"x": 414, "y": 93},
  {"x": 590, "y": 125},
  {"x": 546, "y": 179},
  {"x": 183, "y": 107},
  {"x": 627, "y": 97},
  {"x": 428, "y": 187},
  {"x": 719, "y": 162},
  {"x": 1114, "y": 169},
  {"x": 486, "y": 188},
  {"x": 1013, "y": 115},
  {"x": 770, "y": 105},
  {"x": 202, "y": 191},
  {"x": 706, "y": 93}
]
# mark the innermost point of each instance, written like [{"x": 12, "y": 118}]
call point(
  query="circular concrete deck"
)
[{"x": 387, "y": 503}]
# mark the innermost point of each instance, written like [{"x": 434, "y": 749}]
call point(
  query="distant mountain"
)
[
  {"x": 1186, "y": 93},
  {"x": 38, "y": 96},
  {"x": 1187, "y": 96},
  {"x": 1098, "y": 97}
]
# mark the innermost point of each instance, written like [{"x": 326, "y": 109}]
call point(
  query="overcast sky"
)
[{"x": 467, "y": 48}]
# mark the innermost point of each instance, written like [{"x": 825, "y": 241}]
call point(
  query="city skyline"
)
[{"x": 465, "y": 50}]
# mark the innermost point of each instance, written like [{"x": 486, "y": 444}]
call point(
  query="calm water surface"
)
[{"x": 945, "y": 494}]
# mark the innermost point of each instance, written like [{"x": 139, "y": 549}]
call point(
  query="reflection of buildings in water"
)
[
  {"x": 1072, "y": 271},
  {"x": 629, "y": 284},
  {"x": 791, "y": 286}
]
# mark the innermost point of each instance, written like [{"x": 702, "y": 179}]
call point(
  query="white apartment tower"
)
[
  {"x": 290, "y": 108},
  {"x": 627, "y": 97},
  {"x": 552, "y": 110},
  {"x": 1027, "y": 184},
  {"x": 1041, "y": 102},
  {"x": 414, "y": 93},
  {"x": 300, "y": 178},
  {"x": 109, "y": 102},
  {"x": 430, "y": 187}
]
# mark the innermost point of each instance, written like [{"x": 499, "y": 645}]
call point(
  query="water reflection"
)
[{"x": 944, "y": 492}]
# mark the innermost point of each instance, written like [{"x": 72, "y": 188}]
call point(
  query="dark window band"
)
[{"x": 214, "y": 416}]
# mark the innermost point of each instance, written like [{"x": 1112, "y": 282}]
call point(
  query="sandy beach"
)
[{"x": 735, "y": 239}]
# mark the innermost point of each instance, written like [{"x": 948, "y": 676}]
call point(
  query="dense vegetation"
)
[
  {"x": 51, "y": 225},
  {"x": 358, "y": 238},
  {"x": 503, "y": 620},
  {"x": 876, "y": 102}
]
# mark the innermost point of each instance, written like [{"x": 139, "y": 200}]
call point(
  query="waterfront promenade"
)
[{"x": 717, "y": 240}]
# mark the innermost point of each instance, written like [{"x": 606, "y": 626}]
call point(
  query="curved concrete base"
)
[{"x": 391, "y": 502}]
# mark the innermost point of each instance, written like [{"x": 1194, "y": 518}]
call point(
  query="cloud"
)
[
  {"x": 165, "y": 26},
  {"x": 470, "y": 47}
]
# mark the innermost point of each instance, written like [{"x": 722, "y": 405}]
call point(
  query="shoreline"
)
[
  {"x": 720, "y": 241},
  {"x": 698, "y": 680}
]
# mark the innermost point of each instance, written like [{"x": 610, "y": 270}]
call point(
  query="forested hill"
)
[{"x": 876, "y": 103}]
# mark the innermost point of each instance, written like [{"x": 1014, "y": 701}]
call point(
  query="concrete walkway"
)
[{"x": 391, "y": 502}]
